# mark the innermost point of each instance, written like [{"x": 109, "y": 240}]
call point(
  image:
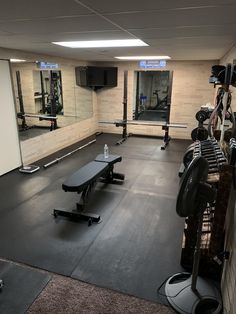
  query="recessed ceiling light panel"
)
[
  {"x": 102, "y": 43},
  {"x": 17, "y": 60},
  {"x": 144, "y": 58}
]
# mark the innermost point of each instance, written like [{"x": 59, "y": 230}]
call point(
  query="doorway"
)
[{"x": 153, "y": 95}]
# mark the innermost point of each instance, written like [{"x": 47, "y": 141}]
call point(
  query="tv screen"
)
[{"x": 96, "y": 77}]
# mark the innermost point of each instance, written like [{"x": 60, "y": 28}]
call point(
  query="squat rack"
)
[{"x": 124, "y": 122}]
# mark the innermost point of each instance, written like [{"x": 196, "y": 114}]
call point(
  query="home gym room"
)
[{"x": 130, "y": 106}]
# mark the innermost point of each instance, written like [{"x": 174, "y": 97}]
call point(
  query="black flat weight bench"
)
[{"x": 83, "y": 182}]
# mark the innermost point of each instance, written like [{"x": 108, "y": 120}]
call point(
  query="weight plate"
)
[
  {"x": 201, "y": 116},
  {"x": 200, "y": 134}
]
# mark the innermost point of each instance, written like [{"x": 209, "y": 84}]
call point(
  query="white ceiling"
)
[{"x": 182, "y": 29}]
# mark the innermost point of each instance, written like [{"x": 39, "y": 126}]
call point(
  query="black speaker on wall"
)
[{"x": 96, "y": 77}]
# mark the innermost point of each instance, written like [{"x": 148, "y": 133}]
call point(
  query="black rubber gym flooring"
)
[
  {"x": 21, "y": 287},
  {"x": 135, "y": 247}
]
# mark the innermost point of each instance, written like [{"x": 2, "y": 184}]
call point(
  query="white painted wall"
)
[{"x": 9, "y": 141}]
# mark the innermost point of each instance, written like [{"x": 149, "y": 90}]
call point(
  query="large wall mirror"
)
[
  {"x": 47, "y": 99},
  {"x": 153, "y": 95}
]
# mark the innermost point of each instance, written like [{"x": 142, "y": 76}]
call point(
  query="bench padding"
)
[
  {"x": 112, "y": 159},
  {"x": 85, "y": 176}
]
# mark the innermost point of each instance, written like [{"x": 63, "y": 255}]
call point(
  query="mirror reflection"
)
[
  {"x": 48, "y": 92},
  {"x": 48, "y": 99},
  {"x": 153, "y": 95}
]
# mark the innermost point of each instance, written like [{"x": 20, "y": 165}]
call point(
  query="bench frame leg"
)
[{"x": 77, "y": 215}]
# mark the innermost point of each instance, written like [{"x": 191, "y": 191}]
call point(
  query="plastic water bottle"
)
[{"x": 106, "y": 151}]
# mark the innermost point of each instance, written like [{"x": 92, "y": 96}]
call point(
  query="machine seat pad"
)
[{"x": 85, "y": 176}]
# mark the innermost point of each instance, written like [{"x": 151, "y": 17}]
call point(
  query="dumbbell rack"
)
[{"x": 219, "y": 175}]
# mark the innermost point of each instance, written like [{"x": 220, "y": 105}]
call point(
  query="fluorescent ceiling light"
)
[
  {"x": 144, "y": 58},
  {"x": 102, "y": 43},
  {"x": 17, "y": 60}
]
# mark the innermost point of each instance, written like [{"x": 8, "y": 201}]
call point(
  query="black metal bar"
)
[
  {"x": 166, "y": 138},
  {"x": 137, "y": 98},
  {"x": 21, "y": 103},
  {"x": 52, "y": 94},
  {"x": 124, "y": 135},
  {"x": 124, "y": 121},
  {"x": 60, "y": 86},
  {"x": 76, "y": 215},
  {"x": 197, "y": 254},
  {"x": 42, "y": 92},
  {"x": 56, "y": 160}
]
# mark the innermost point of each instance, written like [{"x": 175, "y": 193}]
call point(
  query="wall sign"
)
[
  {"x": 47, "y": 65},
  {"x": 152, "y": 64}
]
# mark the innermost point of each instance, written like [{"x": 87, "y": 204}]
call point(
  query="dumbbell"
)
[
  {"x": 214, "y": 163},
  {"x": 210, "y": 147},
  {"x": 213, "y": 156},
  {"x": 208, "y": 151},
  {"x": 214, "y": 168},
  {"x": 194, "y": 148},
  {"x": 217, "y": 162},
  {"x": 210, "y": 140},
  {"x": 212, "y": 144},
  {"x": 232, "y": 145}
]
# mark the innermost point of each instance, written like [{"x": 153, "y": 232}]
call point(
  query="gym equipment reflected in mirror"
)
[
  {"x": 153, "y": 95},
  {"x": 48, "y": 99},
  {"x": 48, "y": 92}
]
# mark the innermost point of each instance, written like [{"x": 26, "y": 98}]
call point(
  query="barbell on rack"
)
[{"x": 165, "y": 126}]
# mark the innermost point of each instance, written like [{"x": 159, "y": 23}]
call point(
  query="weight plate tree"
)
[{"x": 188, "y": 293}]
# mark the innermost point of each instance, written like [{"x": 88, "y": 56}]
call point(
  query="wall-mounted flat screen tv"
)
[{"x": 96, "y": 77}]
